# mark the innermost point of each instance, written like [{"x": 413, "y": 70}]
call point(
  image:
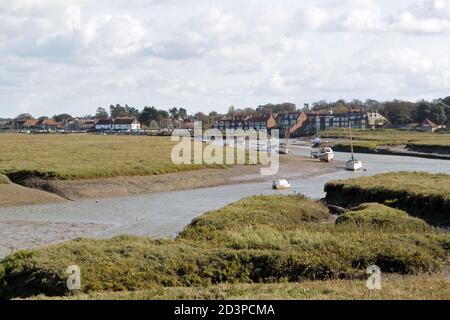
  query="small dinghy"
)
[
  {"x": 353, "y": 164},
  {"x": 326, "y": 154},
  {"x": 280, "y": 184},
  {"x": 283, "y": 149}
]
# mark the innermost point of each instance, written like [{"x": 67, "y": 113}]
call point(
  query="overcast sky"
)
[{"x": 74, "y": 56}]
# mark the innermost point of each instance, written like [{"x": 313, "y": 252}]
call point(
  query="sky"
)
[{"x": 63, "y": 56}]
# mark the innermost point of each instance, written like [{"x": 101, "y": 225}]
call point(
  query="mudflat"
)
[
  {"x": 15, "y": 195},
  {"x": 290, "y": 166}
]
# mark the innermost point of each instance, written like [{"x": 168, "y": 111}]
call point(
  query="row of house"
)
[
  {"x": 73, "y": 125},
  {"x": 118, "y": 125},
  {"x": 300, "y": 123}
]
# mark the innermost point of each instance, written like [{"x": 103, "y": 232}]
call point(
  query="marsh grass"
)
[
  {"x": 261, "y": 239},
  {"x": 426, "y": 195},
  {"x": 373, "y": 139},
  {"x": 4, "y": 179},
  {"x": 87, "y": 156},
  {"x": 414, "y": 287}
]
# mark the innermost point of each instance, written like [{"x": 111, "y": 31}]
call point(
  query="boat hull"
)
[
  {"x": 327, "y": 157},
  {"x": 353, "y": 165},
  {"x": 281, "y": 184}
]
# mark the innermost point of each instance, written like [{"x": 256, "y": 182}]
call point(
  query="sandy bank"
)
[
  {"x": 15, "y": 195},
  {"x": 290, "y": 167}
]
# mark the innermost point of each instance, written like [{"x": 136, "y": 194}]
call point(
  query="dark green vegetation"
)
[
  {"x": 425, "y": 195},
  {"x": 261, "y": 239},
  {"x": 373, "y": 140}
]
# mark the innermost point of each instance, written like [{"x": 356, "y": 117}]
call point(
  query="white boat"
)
[
  {"x": 353, "y": 164},
  {"x": 283, "y": 149},
  {"x": 280, "y": 184},
  {"x": 326, "y": 154}
]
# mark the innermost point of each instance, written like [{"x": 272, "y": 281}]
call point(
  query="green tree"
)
[
  {"x": 24, "y": 116},
  {"x": 147, "y": 115},
  {"x": 101, "y": 113},
  {"x": 117, "y": 111},
  {"x": 400, "y": 112},
  {"x": 62, "y": 117},
  {"x": 132, "y": 112}
]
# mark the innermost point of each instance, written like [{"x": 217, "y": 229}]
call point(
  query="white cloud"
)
[
  {"x": 74, "y": 56},
  {"x": 114, "y": 35}
]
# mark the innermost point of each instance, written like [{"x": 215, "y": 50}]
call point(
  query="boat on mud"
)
[
  {"x": 280, "y": 184},
  {"x": 325, "y": 154},
  {"x": 316, "y": 141},
  {"x": 353, "y": 164},
  {"x": 283, "y": 149}
]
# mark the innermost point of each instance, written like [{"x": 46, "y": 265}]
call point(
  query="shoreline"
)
[
  {"x": 401, "y": 151},
  {"x": 35, "y": 191}
]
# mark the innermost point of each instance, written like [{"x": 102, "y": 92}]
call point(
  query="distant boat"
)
[
  {"x": 316, "y": 142},
  {"x": 353, "y": 164},
  {"x": 283, "y": 149},
  {"x": 280, "y": 184}
]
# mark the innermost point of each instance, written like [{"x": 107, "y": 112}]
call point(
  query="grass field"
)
[
  {"x": 87, "y": 156},
  {"x": 421, "y": 193},
  {"x": 372, "y": 139},
  {"x": 262, "y": 245}
]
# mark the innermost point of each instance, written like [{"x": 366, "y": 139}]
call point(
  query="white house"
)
[
  {"x": 126, "y": 124},
  {"x": 118, "y": 124}
]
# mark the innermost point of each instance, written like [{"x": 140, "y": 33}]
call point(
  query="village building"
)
[
  {"x": 48, "y": 125},
  {"x": 23, "y": 124},
  {"x": 291, "y": 121},
  {"x": 80, "y": 125},
  {"x": 118, "y": 125},
  {"x": 357, "y": 120},
  {"x": 428, "y": 126},
  {"x": 261, "y": 122},
  {"x": 231, "y": 123}
]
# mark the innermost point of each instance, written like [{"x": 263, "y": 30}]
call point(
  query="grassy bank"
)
[
  {"x": 86, "y": 156},
  {"x": 4, "y": 179},
  {"x": 370, "y": 140},
  {"x": 393, "y": 287},
  {"x": 423, "y": 194},
  {"x": 264, "y": 239}
]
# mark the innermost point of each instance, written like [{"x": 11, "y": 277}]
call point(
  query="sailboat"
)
[
  {"x": 283, "y": 147},
  {"x": 353, "y": 164},
  {"x": 316, "y": 139}
]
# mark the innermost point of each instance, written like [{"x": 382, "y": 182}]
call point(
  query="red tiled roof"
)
[
  {"x": 430, "y": 123},
  {"x": 124, "y": 121}
]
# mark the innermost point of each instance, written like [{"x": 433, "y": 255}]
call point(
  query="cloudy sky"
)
[{"x": 74, "y": 56}]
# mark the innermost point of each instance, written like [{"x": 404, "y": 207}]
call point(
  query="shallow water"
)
[{"x": 165, "y": 214}]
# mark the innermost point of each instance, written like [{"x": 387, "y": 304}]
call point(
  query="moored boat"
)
[
  {"x": 283, "y": 149},
  {"x": 353, "y": 164},
  {"x": 279, "y": 184},
  {"x": 326, "y": 154}
]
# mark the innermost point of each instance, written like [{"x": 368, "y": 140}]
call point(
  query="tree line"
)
[{"x": 398, "y": 112}]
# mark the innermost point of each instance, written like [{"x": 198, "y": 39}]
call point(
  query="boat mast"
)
[{"x": 351, "y": 140}]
